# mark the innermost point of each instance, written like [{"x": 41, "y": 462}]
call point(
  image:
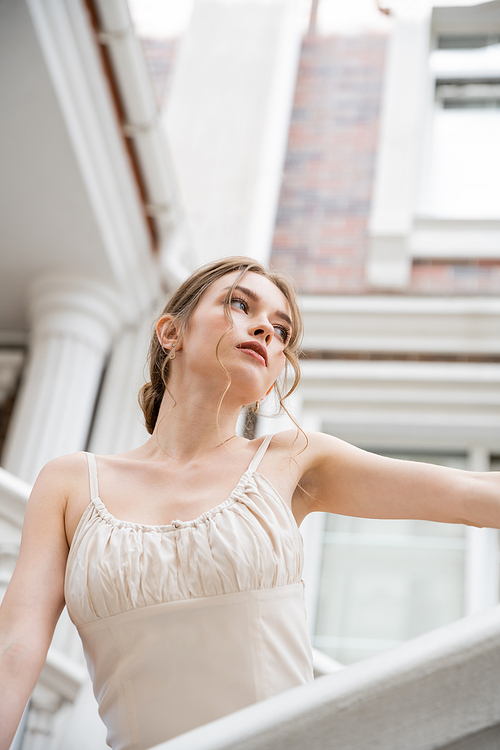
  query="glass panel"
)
[
  {"x": 385, "y": 581},
  {"x": 462, "y": 179},
  {"x": 465, "y": 161}
]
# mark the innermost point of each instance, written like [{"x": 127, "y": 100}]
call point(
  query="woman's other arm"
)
[
  {"x": 340, "y": 478},
  {"x": 35, "y": 596}
]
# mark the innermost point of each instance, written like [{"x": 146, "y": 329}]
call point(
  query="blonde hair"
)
[{"x": 182, "y": 305}]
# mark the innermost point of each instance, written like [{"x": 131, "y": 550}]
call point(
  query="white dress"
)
[{"x": 184, "y": 623}]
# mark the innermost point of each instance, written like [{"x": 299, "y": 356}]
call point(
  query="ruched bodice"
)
[
  {"x": 250, "y": 541},
  {"x": 186, "y": 622}
]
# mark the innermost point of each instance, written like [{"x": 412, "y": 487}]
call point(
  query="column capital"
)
[{"x": 76, "y": 307}]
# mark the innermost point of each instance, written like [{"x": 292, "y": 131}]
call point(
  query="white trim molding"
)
[
  {"x": 401, "y": 405},
  {"x": 411, "y": 325},
  {"x": 72, "y": 58},
  {"x": 455, "y": 239},
  {"x": 144, "y": 127}
]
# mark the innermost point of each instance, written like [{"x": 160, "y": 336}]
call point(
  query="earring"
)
[
  {"x": 256, "y": 407},
  {"x": 171, "y": 354}
]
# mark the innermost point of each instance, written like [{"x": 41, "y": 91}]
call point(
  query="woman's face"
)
[{"x": 252, "y": 350}]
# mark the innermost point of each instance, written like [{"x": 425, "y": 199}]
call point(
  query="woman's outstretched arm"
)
[
  {"x": 34, "y": 598},
  {"x": 339, "y": 478}
]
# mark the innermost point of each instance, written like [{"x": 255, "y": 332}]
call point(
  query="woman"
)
[{"x": 182, "y": 566}]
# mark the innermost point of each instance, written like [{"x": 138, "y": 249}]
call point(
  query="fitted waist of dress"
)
[{"x": 163, "y": 669}]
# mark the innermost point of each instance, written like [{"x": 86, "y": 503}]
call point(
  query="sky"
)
[{"x": 169, "y": 18}]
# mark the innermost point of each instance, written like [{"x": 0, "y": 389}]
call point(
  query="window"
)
[
  {"x": 383, "y": 582},
  {"x": 463, "y": 180}
]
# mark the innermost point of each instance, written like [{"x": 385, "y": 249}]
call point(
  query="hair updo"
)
[{"x": 181, "y": 306}]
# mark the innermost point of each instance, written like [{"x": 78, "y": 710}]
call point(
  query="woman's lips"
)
[{"x": 255, "y": 352}]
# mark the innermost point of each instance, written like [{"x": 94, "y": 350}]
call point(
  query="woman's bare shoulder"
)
[
  {"x": 307, "y": 448},
  {"x": 296, "y": 443},
  {"x": 291, "y": 438},
  {"x": 288, "y": 446},
  {"x": 61, "y": 474},
  {"x": 63, "y": 487}
]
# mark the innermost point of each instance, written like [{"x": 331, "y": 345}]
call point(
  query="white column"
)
[
  {"x": 119, "y": 424},
  {"x": 73, "y": 324},
  {"x": 227, "y": 121},
  {"x": 73, "y": 321},
  {"x": 400, "y": 146}
]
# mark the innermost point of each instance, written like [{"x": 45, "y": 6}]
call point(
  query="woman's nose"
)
[{"x": 263, "y": 329}]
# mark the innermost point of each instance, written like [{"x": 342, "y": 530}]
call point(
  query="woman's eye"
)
[
  {"x": 283, "y": 332},
  {"x": 240, "y": 303}
]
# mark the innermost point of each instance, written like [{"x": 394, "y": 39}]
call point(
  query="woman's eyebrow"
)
[
  {"x": 253, "y": 295},
  {"x": 249, "y": 292},
  {"x": 284, "y": 317}
]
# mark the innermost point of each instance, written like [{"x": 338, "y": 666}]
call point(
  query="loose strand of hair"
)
[{"x": 227, "y": 313}]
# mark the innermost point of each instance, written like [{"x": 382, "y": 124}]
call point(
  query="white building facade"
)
[{"x": 108, "y": 204}]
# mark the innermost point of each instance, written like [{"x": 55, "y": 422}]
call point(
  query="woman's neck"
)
[{"x": 188, "y": 427}]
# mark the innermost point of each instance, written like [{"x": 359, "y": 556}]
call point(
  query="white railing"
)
[
  {"x": 438, "y": 689},
  {"x": 324, "y": 664},
  {"x": 61, "y": 676}
]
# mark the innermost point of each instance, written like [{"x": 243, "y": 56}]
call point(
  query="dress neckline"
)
[{"x": 105, "y": 515}]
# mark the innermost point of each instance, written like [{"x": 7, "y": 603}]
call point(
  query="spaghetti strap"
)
[
  {"x": 94, "y": 487},
  {"x": 259, "y": 455}
]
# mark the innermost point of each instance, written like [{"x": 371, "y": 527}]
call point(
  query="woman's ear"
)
[{"x": 168, "y": 332}]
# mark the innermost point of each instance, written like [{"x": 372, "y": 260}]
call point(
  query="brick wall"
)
[
  {"x": 321, "y": 227},
  {"x": 464, "y": 278}
]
